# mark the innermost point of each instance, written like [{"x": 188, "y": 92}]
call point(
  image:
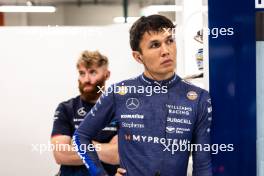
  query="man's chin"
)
[
  {"x": 89, "y": 96},
  {"x": 167, "y": 70}
]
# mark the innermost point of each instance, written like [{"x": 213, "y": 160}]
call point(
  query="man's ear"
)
[
  {"x": 137, "y": 56},
  {"x": 107, "y": 74}
]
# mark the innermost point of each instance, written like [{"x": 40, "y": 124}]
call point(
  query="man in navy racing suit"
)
[
  {"x": 159, "y": 115},
  {"x": 93, "y": 71}
]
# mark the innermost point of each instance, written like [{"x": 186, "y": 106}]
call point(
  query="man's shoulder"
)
[
  {"x": 126, "y": 82},
  {"x": 122, "y": 87},
  {"x": 192, "y": 90},
  {"x": 70, "y": 103}
]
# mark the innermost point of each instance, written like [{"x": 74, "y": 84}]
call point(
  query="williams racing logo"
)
[{"x": 178, "y": 109}]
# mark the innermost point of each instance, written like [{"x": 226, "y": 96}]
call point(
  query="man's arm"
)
[
  {"x": 61, "y": 138},
  {"x": 202, "y": 165},
  {"x": 100, "y": 115},
  {"x": 63, "y": 152},
  {"x": 109, "y": 151}
]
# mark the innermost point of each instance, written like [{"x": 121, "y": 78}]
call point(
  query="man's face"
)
[
  {"x": 158, "y": 52},
  {"x": 89, "y": 79}
]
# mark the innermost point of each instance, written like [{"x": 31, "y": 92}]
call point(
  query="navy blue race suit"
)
[
  {"x": 68, "y": 116},
  {"x": 151, "y": 126}
]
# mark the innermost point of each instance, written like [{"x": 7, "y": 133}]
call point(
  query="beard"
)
[{"x": 93, "y": 94}]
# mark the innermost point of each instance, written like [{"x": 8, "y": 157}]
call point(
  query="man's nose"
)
[
  {"x": 164, "y": 50},
  {"x": 87, "y": 78}
]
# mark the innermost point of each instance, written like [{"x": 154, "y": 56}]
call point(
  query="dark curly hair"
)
[{"x": 144, "y": 24}]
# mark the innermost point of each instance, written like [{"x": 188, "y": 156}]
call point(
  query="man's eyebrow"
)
[
  {"x": 169, "y": 37},
  {"x": 154, "y": 41}
]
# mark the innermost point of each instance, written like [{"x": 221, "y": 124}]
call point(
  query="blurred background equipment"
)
[{"x": 81, "y": 12}]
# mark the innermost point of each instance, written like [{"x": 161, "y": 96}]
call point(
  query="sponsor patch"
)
[
  {"x": 192, "y": 95},
  {"x": 81, "y": 111},
  {"x": 132, "y": 103},
  {"x": 170, "y": 129},
  {"x": 209, "y": 109},
  {"x": 122, "y": 90}
]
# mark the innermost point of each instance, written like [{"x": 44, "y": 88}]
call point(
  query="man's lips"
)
[
  {"x": 166, "y": 61},
  {"x": 87, "y": 86}
]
